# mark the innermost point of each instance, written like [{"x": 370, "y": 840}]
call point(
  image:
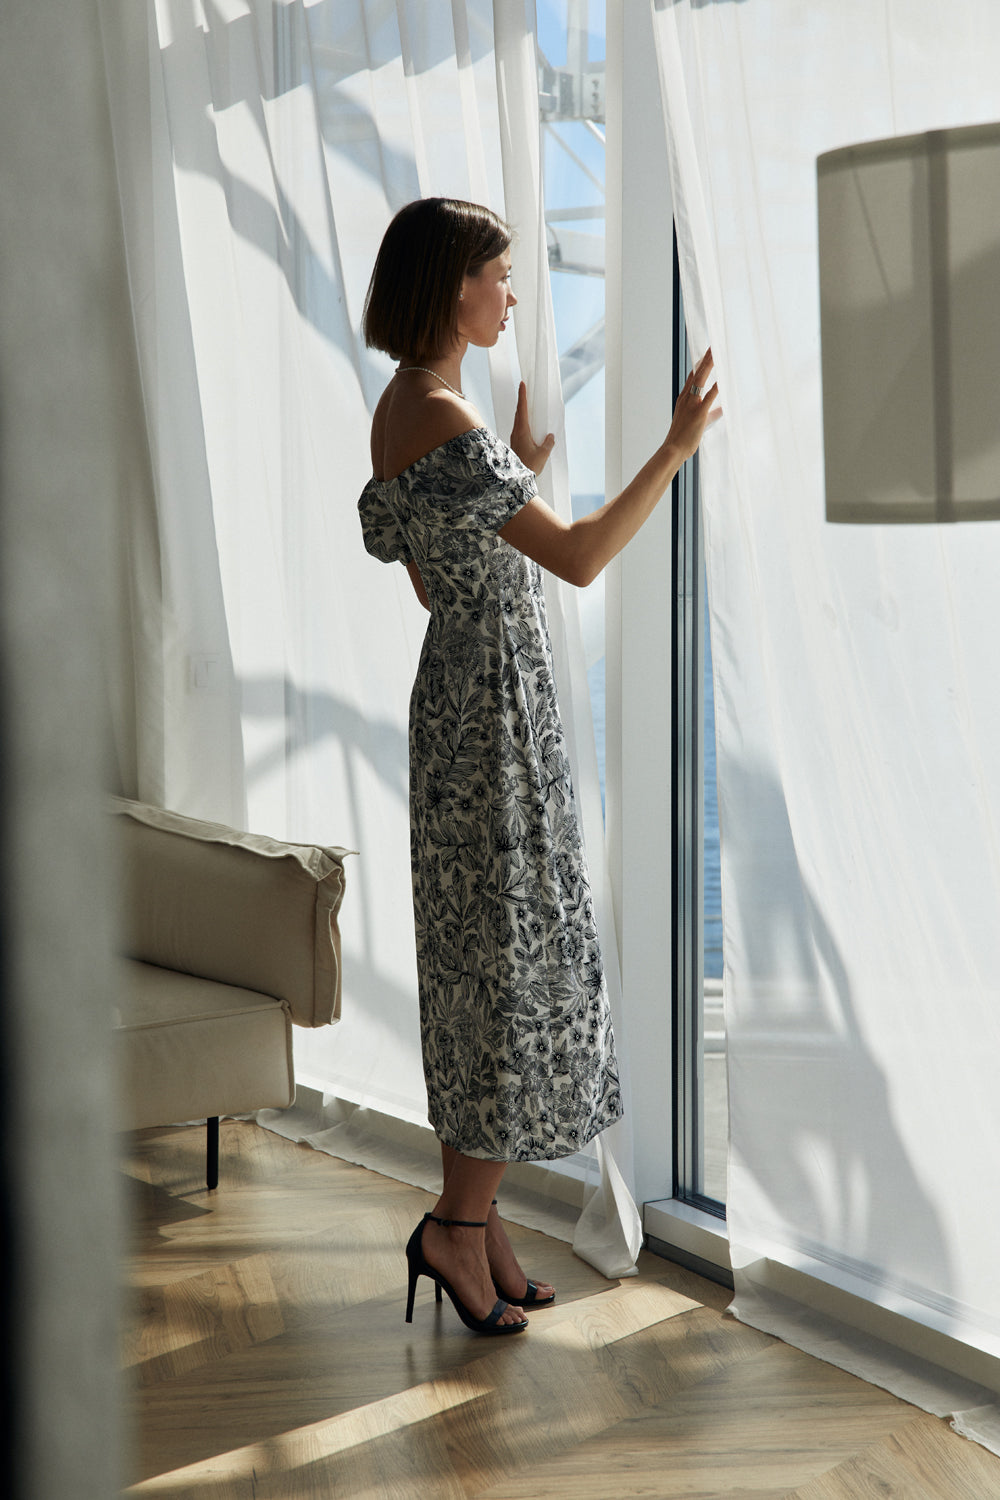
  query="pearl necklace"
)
[{"x": 402, "y": 369}]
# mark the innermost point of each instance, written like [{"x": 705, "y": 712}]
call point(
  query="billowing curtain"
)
[
  {"x": 263, "y": 148},
  {"x": 857, "y": 714}
]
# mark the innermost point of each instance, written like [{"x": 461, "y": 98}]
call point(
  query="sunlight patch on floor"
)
[{"x": 319, "y": 1440}]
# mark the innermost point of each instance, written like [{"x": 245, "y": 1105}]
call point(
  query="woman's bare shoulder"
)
[{"x": 410, "y": 423}]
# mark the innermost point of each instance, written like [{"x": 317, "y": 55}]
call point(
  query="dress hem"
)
[{"x": 559, "y": 1154}]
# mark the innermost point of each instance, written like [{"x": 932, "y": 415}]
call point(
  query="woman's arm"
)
[
  {"x": 418, "y": 584},
  {"x": 579, "y": 550}
]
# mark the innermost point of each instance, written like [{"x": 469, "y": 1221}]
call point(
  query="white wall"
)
[{"x": 638, "y": 409}]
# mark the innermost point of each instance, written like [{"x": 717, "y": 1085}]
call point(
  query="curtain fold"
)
[
  {"x": 857, "y": 719},
  {"x": 175, "y": 713},
  {"x": 278, "y": 141},
  {"x": 614, "y": 1246}
]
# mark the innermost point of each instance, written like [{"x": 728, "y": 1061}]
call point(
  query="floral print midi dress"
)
[{"x": 518, "y": 1051}]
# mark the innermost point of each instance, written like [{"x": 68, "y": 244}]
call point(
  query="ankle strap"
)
[{"x": 457, "y": 1223}]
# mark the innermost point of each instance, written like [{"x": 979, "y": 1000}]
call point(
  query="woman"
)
[{"x": 518, "y": 1052}]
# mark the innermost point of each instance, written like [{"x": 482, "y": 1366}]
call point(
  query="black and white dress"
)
[{"x": 518, "y": 1052}]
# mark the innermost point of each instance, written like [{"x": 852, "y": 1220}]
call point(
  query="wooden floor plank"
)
[
  {"x": 921, "y": 1461},
  {"x": 201, "y": 1319},
  {"x": 269, "y": 1360}
]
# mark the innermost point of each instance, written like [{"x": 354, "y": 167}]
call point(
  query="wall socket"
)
[{"x": 206, "y": 672}]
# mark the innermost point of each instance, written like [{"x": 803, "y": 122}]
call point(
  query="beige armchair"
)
[{"x": 229, "y": 937}]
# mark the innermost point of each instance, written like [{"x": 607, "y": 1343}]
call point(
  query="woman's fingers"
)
[
  {"x": 695, "y": 409},
  {"x": 704, "y": 404},
  {"x": 533, "y": 455},
  {"x": 521, "y": 428},
  {"x": 714, "y": 412},
  {"x": 695, "y": 383}
]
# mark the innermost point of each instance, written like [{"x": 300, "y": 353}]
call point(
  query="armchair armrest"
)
[{"x": 239, "y": 908}]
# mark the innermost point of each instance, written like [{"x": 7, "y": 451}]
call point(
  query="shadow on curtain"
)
[{"x": 858, "y": 732}]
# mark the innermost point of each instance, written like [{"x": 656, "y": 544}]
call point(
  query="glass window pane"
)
[
  {"x": 701, "y": 1125},
  {"x": 715, "y": 1096}
]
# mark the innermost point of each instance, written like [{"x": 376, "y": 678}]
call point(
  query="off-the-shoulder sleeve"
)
[
  {"x": 479, "y": 482},
  {"x": 381, "y": 531}
]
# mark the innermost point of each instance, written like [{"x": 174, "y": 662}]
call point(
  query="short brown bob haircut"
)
[{"x": 411, "y": 310}]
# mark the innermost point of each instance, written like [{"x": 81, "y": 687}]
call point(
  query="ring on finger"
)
[{"x": 696, "y": 390}]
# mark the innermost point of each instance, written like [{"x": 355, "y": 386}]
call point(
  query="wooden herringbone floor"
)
[{"x": 270, "y": 1361}]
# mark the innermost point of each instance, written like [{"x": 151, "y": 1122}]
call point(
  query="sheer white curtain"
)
[
  {"x": 857, "y": 716},
  {"x": 263, "y": 148}
]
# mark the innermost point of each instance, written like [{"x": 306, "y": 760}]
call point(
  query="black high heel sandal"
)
[
  {"x": 530, "y": 1298},
  {"x": 418, "y": 1266}
]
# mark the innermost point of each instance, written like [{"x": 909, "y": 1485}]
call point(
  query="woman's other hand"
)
[
  {"x": 695, "y": 409},
  {"x": 533, "y": 455}
]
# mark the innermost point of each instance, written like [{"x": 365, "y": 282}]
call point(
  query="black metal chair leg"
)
[{"x": 212, "y": 1165}]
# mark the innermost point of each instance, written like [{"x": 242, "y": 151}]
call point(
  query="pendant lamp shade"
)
[{"x": 909, "y": 252}]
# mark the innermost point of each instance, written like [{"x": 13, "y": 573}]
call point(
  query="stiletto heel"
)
[
  {"x": 411, "y": 1289},
  {"x": 418, "y": 1266},
  {"x": 530, "y": 1298}
]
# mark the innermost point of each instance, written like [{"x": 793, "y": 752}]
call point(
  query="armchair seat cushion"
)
[{"x": 191, "y": 1048}]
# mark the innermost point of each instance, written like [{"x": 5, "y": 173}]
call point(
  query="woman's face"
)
[{"x": 486, "y": 302}]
